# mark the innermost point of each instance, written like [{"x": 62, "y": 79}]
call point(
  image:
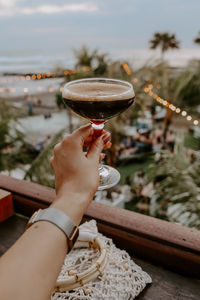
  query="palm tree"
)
[
  {"x": 84, "y": 57},
  {"x": 102, "y": 64},
  {"x": 93, "y": 61},
  {"x": 164, "y": 40},
  {"x": 197, "y": 39}
]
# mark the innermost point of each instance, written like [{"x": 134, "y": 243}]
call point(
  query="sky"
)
[{"x": 109, "y": 25}]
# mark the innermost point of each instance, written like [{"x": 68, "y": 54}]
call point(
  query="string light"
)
[
  {"x": 126, "y": 68},
  {"x": 165, "y": 102},
  {"x": 147, "y": 89},
  {"x": 33, "y": 76},
  {"x": 184, "y": 113},
  {"x": 172, "y": 107},
  {"x": 40, "y": 76},
  {"x": 25, "y": 89},
  {"x": 134, "y": 80},
  {"x": 189, "y": 118}
]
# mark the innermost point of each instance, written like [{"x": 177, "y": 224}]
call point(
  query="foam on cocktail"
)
[{"x": 97, "y": 91}]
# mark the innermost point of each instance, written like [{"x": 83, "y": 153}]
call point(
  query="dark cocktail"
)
[{"x": 99, "y": 99}]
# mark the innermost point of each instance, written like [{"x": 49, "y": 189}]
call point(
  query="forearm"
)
[
  {"x": 29, "y": 269},
  {"x": 33, "y": 263}
]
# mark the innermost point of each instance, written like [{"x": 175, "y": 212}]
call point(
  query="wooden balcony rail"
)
[{"x": 173, "y": 246}]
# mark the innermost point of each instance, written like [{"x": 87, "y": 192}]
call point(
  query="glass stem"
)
[
  {"x": 108, "y": 176},
  {"x": 100, "y": 167},
  {"x": 98, "y": 127}
]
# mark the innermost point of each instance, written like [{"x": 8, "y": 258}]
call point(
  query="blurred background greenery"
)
[{"x": 163, "y": 181}]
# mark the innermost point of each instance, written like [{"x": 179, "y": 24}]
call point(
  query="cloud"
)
[{"x": 9, "y": 8}]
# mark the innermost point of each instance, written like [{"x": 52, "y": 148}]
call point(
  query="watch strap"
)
[{"x": 58, "y": 218}]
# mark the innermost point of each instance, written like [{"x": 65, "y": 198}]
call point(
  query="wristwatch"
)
[{"x": 58, "y": 218}]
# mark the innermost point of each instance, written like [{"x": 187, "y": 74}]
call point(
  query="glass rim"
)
[
  {"x": 103, "y": 80},
  {"x": 100, "y": 79}
]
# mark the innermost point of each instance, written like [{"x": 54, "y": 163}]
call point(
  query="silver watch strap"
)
[{"x": 56, "y": 217}]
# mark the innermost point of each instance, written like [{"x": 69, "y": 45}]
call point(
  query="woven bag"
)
[{"x": 96, "y": 269}]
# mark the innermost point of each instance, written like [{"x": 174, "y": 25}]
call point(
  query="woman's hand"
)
[
  {"x": 35, "y": 260},
  {"x": 76, "y": 172}
]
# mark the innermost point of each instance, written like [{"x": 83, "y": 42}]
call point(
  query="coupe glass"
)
[{"x": 99, "y": 99}]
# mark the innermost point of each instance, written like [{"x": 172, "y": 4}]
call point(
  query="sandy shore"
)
[{"x": 42, "y": 103}]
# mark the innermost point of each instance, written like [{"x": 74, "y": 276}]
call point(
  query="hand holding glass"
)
[{"x": 99, "y": 99}]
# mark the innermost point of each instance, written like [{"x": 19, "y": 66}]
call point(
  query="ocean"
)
[
  {"x": 11, "y": 86},
  {"x": 32, "y": 62}
]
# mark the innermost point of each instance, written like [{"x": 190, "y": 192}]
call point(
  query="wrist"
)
[{"x": 73, "y": 205}]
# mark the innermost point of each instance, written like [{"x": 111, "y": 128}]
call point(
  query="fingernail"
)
[
  {"x": 106, "y": 137},
  {"x": 100, "y": 140}
]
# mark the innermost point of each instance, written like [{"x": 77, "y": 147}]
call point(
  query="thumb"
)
[{"x": 95, "y": 149}]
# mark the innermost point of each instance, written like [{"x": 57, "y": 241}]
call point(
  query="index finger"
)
[
  {"x": 83, "y": 133},
  {"x": 88, "y": 141}
]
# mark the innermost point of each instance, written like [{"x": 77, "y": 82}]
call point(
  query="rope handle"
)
[{"x": 79, "y": 279}]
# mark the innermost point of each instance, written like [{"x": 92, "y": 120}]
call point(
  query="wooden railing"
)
[{"x": 171, "y": 245}]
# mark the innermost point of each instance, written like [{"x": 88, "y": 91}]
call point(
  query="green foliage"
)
[
  {"x": 191, "y": 142},
  {"x": 84, "y": 57},
  {"x": 187, "y": 87},
  {"x": 133, "y": 166},
  {"x": 13, "y": 148},
  {"x": 102, "y": 64},
  {"x": 176, "y": 187},
  {"x": 92, "y": 63},
  {"x": 59, "y": 100},
  {"x": 40, "y": 170}
]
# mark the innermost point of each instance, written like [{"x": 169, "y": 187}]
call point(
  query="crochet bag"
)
[{"x": 96, "y": 269}]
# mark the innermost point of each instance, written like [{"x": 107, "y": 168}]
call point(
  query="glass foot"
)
[{"x": 109, "y": 177}]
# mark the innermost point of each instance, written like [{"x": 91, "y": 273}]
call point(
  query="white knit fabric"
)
[{"x": 122, "y": 279}]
